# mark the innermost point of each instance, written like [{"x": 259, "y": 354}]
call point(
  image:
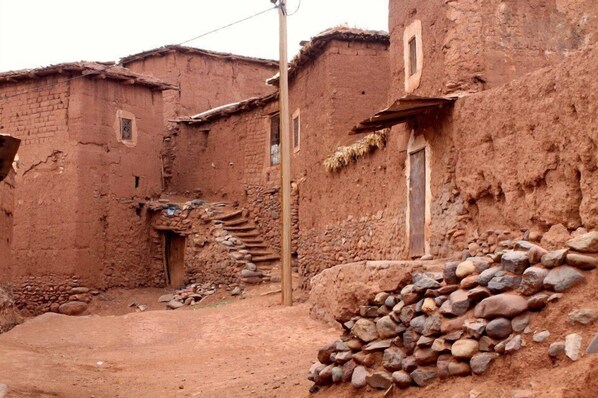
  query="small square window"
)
[
  {"x": 275, "y": 139},
  {"x": 412, "y": 56},
  {"x": 296, "y": 131},
  {"x": 126, "y": 129}
]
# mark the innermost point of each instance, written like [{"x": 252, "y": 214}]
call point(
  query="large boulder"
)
[
  {"x": 586, "y": 243},
  {"x": 562, "y": 278},
  {"x": 73, "y": 308},
  {"x": 502, "y": 305},
  {"x": 337, "y": 293}
]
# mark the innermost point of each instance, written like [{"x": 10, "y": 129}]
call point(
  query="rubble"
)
[
  {"x": 190, "y": 295},
  {"x": 445, "y": 325}
]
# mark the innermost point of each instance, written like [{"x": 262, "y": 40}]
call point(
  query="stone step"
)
[
  {"x": 250, "y": 241},
  {"x": 252, "y": 234},
  {"x": 227, "y": 216},
  {"x": 236, "y": 222},
  {"x": 255, "y": 246},
  {"x": 242, "y": 228},
  {"x": 272, "y": 257},
  {"x": 260, "y": 253}
]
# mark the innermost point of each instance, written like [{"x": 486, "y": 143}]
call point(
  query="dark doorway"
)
[
  {"x": 174, "y": 256},
  {"x": 417, "y": 203}
]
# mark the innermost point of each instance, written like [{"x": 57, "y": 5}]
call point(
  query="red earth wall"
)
[
  {"x": 205, "y": 81},
  {"x": 77, "y": 220},
  {"x": 474, "y": 45}
]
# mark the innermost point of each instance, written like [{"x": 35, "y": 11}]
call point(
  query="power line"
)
[{"x": 49, "y": 86}]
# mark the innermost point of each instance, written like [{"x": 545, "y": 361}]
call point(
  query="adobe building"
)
[
  {"x": 232, "y": 152},
  {"x": 91, "y": 136},
  {"x": 515, "y": 150},
  {"x": 207, "y": 79}
]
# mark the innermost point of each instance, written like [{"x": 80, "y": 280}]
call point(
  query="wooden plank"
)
[{"x": 417, "y": 203}]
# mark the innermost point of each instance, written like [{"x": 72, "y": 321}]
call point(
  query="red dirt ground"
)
[{"x": 229, "y": 347}]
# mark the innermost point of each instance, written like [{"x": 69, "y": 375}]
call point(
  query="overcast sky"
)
[{"x": 36, "y": 33}]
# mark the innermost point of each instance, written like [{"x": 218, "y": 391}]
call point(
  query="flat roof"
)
[
  {"x": 169, "y": 49},
  {"x": 99, "y": 70}
]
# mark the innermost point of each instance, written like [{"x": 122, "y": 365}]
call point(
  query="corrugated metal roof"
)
[{"x": 401, "y": 111}]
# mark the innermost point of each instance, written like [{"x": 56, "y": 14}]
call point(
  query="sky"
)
[{"x": 36, "y": 33}]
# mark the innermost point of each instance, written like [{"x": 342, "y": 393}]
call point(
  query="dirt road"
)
[{"x": 235, "y": 348}]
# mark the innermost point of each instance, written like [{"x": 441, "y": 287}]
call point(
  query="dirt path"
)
[{"x": 237, "y": 348}]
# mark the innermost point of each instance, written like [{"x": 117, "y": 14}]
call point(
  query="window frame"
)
[
  {"x": 274, "y": 117},
  {"x": 296, "y": 137}
]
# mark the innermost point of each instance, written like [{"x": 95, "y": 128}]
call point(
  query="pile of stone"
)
[
  {"x": 456, "y": 322},
  {"x": 190, "y": 295},
  {"x": 239, "y": 255}
]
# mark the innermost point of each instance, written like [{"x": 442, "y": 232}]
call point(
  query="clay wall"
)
[
  {"x": 76, "y": 205},
  {"x": 471, "y": 45},
  {"x": 205, "y": 81},
  {"x": 526, "y": 152}
]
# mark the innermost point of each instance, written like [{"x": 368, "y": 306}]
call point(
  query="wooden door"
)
[
  {"x": 417, "y": 203},
  {"x": 175, "y": 259}
]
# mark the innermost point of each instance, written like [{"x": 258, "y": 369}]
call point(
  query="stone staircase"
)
[{"x": 242, "y": 239}]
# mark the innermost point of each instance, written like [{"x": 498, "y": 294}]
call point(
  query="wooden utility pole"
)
[{"x": 285, "y": 161}]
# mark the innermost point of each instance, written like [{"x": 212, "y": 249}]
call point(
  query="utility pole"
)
[{"x": 285, "y": 160}]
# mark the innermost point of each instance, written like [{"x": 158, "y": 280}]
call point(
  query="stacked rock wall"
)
[{"x": 460, "y": 321}]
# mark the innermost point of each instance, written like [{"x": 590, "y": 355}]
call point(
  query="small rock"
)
[
  {"x": 475, "y": 327},
  {"x": 429, "y": 306},
  {"x": 432, "y": 325},
  {"x": 520, "y": 322},
  {"x": 562, "y": 278},
  {"x": 487, "y": 275},
  {"x": 425, "y": 356},
  {"x": 379, "y": 345},
  {"x": 424, "y": 283},
  {"x": 499, "y": 328},
  {"x": 533, "y": 280},
  {"x": 165, "y": 298},
  {"x": 480, "y": 362},
  {"x": 487, "y": 344},
  {"x": 348, "y": 369},
  {"x": 450, "y": 273},
  {"x": 587, "y": 243},
  {"x": 358, "y": 379},
  {"x": 458, "y": 302},
  {"x": 582, "y": 261},
  {"x": 535, "y": 254},
  {"x": 459, "y": 369},
  {"x": 380, "y": 380},
  {"x": 469, "y": 282},
  {"x": 537, "y": 302},
  {"x": 79, "y": 290},
  {"x": 541, "y": 337},
  {"x": 402, "y": 379},
  {"x": 514, "y": 344},
  {"x": 423, "y": 376},
  {"x": 385, "y": 328},
  {"x": 367, "y": 360},
  {"x": 464, "y": 269},
  {"x": 583, "y": 316},
  {"x": 515, "y": 261},
  {"x": 380, "y": 298},
  {"x": 554, "y": 258},
  {"x": 365, "y": 330},
  {"x": 503, "y": 283},
  {"x": 522, "y": 394},
  {"x": 393, "y": 356},
  {"x": 464, "y": 348},
  {"x": 324, "y": 377},
  {"x": 390, "y": 301},
  {"x": 236, "y": 291},
  {"x": 572, "y": 346},
  {"x": 556, "y": 349},
  {"x": 337, "y": 374},
  {"x": 408, "y": 364},
  {"x": 441, "y": 345},
  {"x": 342, "y": 357}
]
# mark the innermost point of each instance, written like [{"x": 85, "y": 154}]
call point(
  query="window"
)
[
  {"x": 275, "y": 139},
  {"x": 126, "y": 129},
  {"x": 412, "y": 56},
  {"x": 296, "y": 130}
]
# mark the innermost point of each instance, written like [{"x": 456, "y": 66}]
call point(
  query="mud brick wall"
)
[
  {"x": 475, "y": 45},
  {"x": 206, "y": 81},
  {"x": 77, "y": 209}
]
